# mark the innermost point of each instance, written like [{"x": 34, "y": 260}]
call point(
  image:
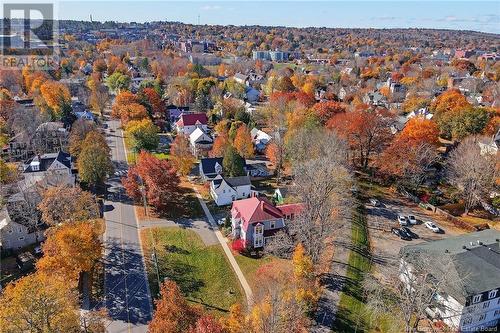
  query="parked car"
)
[
  {"x": 410, "y": 233},
  {"x": 433, "y": 227},
  {"x": 402, "y": 220},
  {"x": 412, "y": 219},
  {"x": 38, "y": 250},
  {"x": 220, "y": 222},
  {"x": 374, "y": 202},
  {"x": 400, "y": 234}
]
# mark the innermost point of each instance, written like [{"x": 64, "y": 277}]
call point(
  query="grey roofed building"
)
[
  {"x": 233, "y": 181},
  {"x": 475, "y": 256},
  {"x": 45, "y": 161},
  {"x": 210, "y": 167}
]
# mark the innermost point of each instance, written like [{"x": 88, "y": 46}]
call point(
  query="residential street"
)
[{"x": 128, "y": 298}]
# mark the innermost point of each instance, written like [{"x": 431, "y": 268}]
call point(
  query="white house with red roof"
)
[
  {"x": 189, "y": 122},
  {"x": 256, "y": 220}
]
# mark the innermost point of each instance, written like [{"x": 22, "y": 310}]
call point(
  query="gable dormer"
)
[
  {"x": 218, "y": 168},
  {"x": 35, "y": 164}
]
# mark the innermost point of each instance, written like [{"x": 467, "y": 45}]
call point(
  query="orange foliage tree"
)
[
  {"x": 243, "y": 142},
  {"x": 220, "y": 145},
  {"x": 366, "y": 132},
  {"x": 326, "y": 110},
  {"x": 182, "y": 158},
  {"x": 173, "y": 314},
  {"x": 420, "y": 130},
  {"x": 72, "y": 249}
]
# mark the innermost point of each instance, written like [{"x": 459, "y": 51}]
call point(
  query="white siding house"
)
[{"x": 226, "y": 190}]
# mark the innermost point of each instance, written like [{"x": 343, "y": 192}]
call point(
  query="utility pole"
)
[{"x": 154, "y": 256}]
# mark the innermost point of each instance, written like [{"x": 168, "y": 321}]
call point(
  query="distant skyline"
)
[{"x": 459, "y": 15}]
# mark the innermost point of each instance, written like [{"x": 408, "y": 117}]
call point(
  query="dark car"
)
[
  {"x": 410, "y": 233},
  {"x": 401, "y": 234}
]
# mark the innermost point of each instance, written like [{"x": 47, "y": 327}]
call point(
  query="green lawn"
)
[
  {"x": 249, "y": 266},
  {"x": 202, "y": 272},
  {"x": 351, "y": 313}
]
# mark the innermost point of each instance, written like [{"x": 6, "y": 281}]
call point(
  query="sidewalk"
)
[{"x": 227, "y": 251}]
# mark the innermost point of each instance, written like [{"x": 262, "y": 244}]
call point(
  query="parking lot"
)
[{"x": 381, "y": 219}]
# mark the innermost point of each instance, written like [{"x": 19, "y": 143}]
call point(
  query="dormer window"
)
[
  {"x": 35, "y": 165},
  {"x": 492, "y": 294},
  {"x": 476, "y": 299},
  {"x": 218, "y": 168}
]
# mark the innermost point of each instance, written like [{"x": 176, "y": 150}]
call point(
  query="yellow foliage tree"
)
[{"x": 39, "y": 303}]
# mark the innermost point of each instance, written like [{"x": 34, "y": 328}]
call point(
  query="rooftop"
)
[{"x": 475, "y": 256}]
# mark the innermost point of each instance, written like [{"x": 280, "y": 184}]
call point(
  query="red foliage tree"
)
[
  {"x": 326, "y": 110},
  {"x": 157, "y": 178},
  {"x": 208, "y": 324}
]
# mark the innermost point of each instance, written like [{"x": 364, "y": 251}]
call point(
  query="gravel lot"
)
[{"x": 380, "y": 220}]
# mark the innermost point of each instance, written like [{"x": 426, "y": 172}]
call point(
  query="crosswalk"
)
[{"x": 120, "y": 173}]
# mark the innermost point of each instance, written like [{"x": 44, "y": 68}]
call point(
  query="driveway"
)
[{"x": 201, "y": 227}]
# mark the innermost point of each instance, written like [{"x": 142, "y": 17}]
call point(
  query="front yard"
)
[
  {"x": 250, "y": 266},
  {"x": 202, "y": 272}
]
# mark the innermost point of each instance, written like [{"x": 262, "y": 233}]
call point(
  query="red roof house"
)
[{"x": 256, "y": 219}]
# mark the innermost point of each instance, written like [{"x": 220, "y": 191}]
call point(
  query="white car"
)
[
  {"x": 412, "y": 219},
  {"x": 432, "y": 227},
  {"x": 402, "y": 220},
  {"x": 374, "y": 202}
]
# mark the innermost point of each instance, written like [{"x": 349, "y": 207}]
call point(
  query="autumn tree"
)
[
  {"x": 182, "y": 157},
  {"x": 472, "y": 171},
  {"x": 235, "y": 321},
  {"x": 133, "y": 111},
  {"x": 208, "y": 324},
  {"x": 154, "y": 177},
  {"x": 39, "y": 303},
  {"x": 79, "y": 131},
  {"x": 67, "y": 204},
  {"x": 322, "y": 181},
  {"x": 243, "y": 142},
  {"x": 233, "y": 164},
  {"x": 144, "y": 134},
  {"x": 57, "y": 97},
  {"x": 407, "y": 161},
  {"x": 118, "y": 81},
  {"x": 326, "y": 110},
  {"x": 94, "y": 162},
  {"x": 99, "y": 97},
  {"x": 173, "y": 314},
  {"x": 365, "y": 131},
  {"x": 122, "y": 99},
  {"x": 72, "y": 249},
  {"x": 220, "y": 145},
  {"x": 419, "y": 129}
]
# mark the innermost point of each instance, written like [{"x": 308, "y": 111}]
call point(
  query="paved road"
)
[{"x": 128, "y": 298}]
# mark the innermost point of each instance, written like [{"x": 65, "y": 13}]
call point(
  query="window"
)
[
  {"x": 482, "y": 317},
  {"x": 273, "y": 224},
  {"x": 21, "y": 238},
  {"x": 259, "y": 229},
  {"x": 477, "y": 298},
  {"x": 492, "y": 294},
  {"x": 467, "y": 321},
  {"x": 497, "y": 312},
  {"x": 20, "y": 229},
  {"x": 10, "y": 231},
  {"x": 486, "y": 305}
]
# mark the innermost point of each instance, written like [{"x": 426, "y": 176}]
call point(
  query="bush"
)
[
  {"x": 496, "y": 202},
  {"x": 238, "y": 245}
]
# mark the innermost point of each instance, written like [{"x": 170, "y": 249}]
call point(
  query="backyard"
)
[{"x": 202, "y": 272}]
